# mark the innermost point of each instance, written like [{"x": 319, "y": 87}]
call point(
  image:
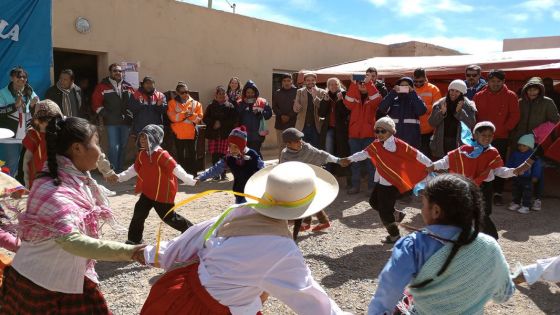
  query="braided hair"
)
[
  {"x": 461, "y": 204},
  {"x": 61, "y": 134}
]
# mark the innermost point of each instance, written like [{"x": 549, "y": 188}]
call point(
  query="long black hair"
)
[
  {"x": 61, "y": 134},
  {"x": 461, "y": 204},
  {"x": 27, "y": 89}
]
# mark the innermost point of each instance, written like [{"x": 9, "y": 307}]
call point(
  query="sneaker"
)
[
  {"x": 353, "y": 191},
  {"x": 390, "y": 239},
  {"x": 399, "y": 215},
  {"x": 514, "y": 206},
  {"x": 498, "y": 200},
  {"x": 223, "y": 176},
  {"x": 523, "y": 210},
  {"x": 216, "y": 178},
  {"x": 536, "y": 205},
  {"x": 321, "y": 226},
  {"x": 304, "y": 227}
]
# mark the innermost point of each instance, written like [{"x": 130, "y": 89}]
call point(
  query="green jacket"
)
[{"x": 534, "y": 112}]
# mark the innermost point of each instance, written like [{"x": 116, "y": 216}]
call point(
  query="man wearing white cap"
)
[{"x": 247, "y": 252}]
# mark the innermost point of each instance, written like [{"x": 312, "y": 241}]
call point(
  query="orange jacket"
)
[
  {"x": 184, "y": 117},
  {"x": 430, "y": 94}
]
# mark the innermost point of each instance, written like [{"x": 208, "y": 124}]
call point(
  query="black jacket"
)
[
  {"x": 342, "y": 118},
  {"x": 226, "y": 114},
  {"x": 55, "y": 94}
]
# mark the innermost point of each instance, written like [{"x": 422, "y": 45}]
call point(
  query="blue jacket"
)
[
  {"x": 252, "y": 119},
  {"x": 405, "y": 110},
  {"x": 516, "y": 158},
  {"x": 145, "y": 110},
  {"x": 475, "y": 89}
]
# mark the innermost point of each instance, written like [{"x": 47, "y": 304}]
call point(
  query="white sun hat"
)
[
  {"x": 6, "y": 133},
  {"x": 295, "y": 190}
]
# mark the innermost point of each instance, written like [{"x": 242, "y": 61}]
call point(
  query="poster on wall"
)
[
  {"x": 25, "y": 40},
  {"x": 131, "y": 73}
]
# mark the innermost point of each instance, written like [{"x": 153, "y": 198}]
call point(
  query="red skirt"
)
[
  {"x": 19, "y": 295},
  {"x": 218, "y": 146},
  {"x": 180, "y": 292}
]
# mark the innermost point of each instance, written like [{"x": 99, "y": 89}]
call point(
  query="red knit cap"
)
[{"x": 238, "y": 136}]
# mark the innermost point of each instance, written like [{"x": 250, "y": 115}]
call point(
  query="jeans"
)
[
  {"x": 330, "y": 146},
  {"x": 502, "y": 146},
  {"x": 357, "y": 145},
  {"x": 311, "y": 136},
  {"x": 9, "y": 153},
  {"x": 522, "y": 190},
  {"x": 118, "y": 138},
  {"x": 186, "y": 155},
  {"x": 538, "y": 188}
]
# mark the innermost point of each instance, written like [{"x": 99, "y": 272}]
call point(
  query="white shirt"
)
[
  {"x": 503, "y": 172},
  {"x": 390, "y": 146},
  {"x": 237, "y": 270}
]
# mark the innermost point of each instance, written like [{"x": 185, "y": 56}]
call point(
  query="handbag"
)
[{"x": 263, "y": 130}]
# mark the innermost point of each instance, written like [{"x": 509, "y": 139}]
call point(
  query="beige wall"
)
[
  {"x": 531, "y": 43},
  {"x": 177, "y": 41}
]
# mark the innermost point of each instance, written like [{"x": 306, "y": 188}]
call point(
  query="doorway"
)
[{"x": 84, "y": 66}]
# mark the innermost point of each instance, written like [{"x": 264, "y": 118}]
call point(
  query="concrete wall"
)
[
  {"x": 531, "y": 43},
  {"x": 178, "y": 41},
  {"x": 415, "y": 48}
]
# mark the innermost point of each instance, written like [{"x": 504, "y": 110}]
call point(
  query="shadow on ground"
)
[{"x": 544, "y": 299}]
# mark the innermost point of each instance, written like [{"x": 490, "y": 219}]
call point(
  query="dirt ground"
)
[{"x": 347, "y": 258}]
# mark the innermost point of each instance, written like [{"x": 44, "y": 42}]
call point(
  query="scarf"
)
[
  {"x": 66, "y": 104},
  {"x": 467, "y": 138}
]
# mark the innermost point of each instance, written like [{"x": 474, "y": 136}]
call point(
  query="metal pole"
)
[
  {"x": 209, "y": 4},
  {"x": 233, "y": 6}
]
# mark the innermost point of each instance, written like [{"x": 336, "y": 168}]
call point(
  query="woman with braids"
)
[
  {"x": 53, "y": 271},
  {"x": 448, "y": 266}
]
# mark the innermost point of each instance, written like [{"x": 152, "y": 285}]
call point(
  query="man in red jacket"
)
[
  {"x": 362, "y": 99},
  {"x": 498, "y": 104}
]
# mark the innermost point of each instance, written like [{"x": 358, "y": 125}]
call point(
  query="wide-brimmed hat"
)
[
  {"x": 294, "y": 190},
  {"x": 6, "y": 133}
]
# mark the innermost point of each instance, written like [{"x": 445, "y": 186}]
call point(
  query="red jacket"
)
[
  {"x": 155, "y": 176},
  {"x": 400, "y": 168},
  {"x": 36, "y": 143},
  {"x": 501, "y": 108},
  {"x": 476, "y": 169},
  {"x": 362, "y": 114}
]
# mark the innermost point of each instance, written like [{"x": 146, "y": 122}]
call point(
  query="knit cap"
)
[
  {"x": 386, "y": 123},
  {"x": 47, "y": 109},
  {"x": 528, "y": 140},
  {"x": 238, "y": 136},
  {"x": 458, "y": 85},
  {"x": 154, "y": 133},
  {"x": 484, "y": 124}
]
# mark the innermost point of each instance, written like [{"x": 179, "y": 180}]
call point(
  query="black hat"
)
[
  {"x": 500, "y": 74},
  {"x": 291, "y": 134}
]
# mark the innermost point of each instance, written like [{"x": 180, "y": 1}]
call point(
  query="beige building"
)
[
  {"x": 175, "y": 41},
  {"x": 531, "y": 43}
]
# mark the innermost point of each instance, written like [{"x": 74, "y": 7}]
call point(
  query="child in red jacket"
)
[{"x": 157, "y": 175}]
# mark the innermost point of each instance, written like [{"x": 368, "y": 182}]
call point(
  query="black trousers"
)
[
  {"x": 186, "y": 154},
  {"x": 502, "y": 146},
  {"x": 255, "y": 145},
  {"x": 141, "y": 211},
  {"x": 488, "y": 227},
  {"x": 383, "y": 199},
  {"x": 425, "y": 145}
]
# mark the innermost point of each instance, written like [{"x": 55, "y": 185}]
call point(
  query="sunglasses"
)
[
  {"x": 471, "y": 75},
  {"x": 380, "y": 131},
  {"x": 22, "y": 77}
]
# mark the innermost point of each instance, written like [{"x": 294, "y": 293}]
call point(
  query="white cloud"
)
[
  {"x": 417, "y": 7},
  {"x": 439, "y": 24},
  {"x": 518, "y": 17},
  {"x": 468, "y": 45},
  {"x": 538, "y": 5},
  {"x": 556, "y": 15},
  {"x": 378, "y": 3},
  {"x": 453, "y": 6}
]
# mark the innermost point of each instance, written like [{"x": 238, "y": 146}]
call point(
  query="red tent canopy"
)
[{"x": 518, "y": 65}]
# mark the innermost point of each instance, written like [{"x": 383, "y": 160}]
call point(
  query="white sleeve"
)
[
  {"x": 359, "y": 156},
  {"x": 128, "y": 174},
  {"x": 442, "y": 164},
  {"x": 179, "y": 249},
  {"x": 291, "y": 282},
  {"x": 423, "y": 159},
  {"x": 332, "y": 159},
  {"x": 545, "y": 270},
  {"x": 504, "y": 172},
  {"x": 183, "y": 176}
]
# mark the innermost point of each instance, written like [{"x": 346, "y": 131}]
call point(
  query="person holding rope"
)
[{"x": 246, "y": 253}]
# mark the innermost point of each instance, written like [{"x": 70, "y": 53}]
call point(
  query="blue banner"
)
[{"x": 25, "y": 40}]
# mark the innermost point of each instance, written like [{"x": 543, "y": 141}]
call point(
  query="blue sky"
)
[{"x": 468, "y": 26}]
